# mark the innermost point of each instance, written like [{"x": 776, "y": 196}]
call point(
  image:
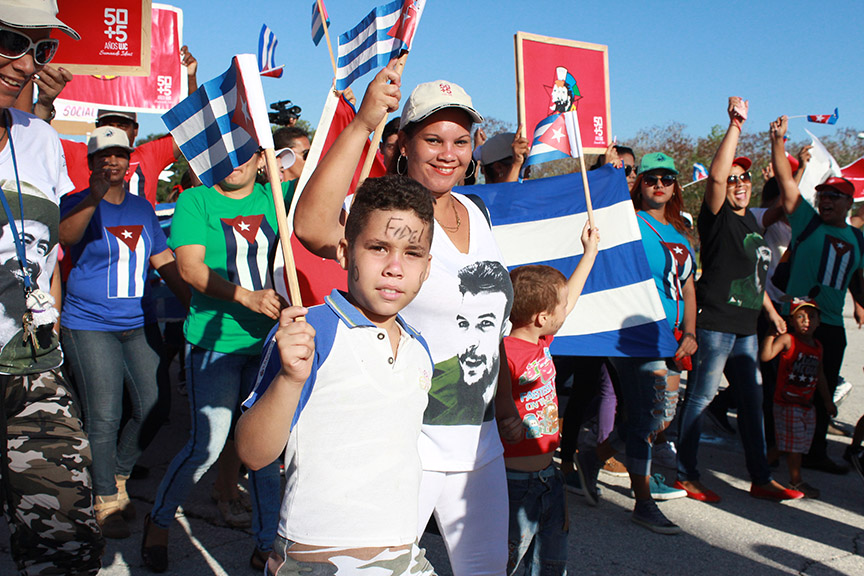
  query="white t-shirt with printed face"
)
[
  {"x": 462, "y": 311},
  {"x": 43, "y": 180}
]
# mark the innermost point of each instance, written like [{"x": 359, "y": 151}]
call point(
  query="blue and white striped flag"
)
[
  {"x": 318, "y": 23},
  {"x": 540, "y": 222},
  {"x": 221, "y": 125},
  {"x": 368, "y": 46},
  {"x": 699, "y": 172},
  {"x": 267, "y": 54}
]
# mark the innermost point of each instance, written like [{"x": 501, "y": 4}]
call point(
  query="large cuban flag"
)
[
  {"x": 250, "y": 246},
  {"x": 540, "y": 222},
  {"x": 127, "y": 260}
]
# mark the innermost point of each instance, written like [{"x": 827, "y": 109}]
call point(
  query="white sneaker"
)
[
  {"x": 842, "y": 390},
  {"x": 666, "y": 455}
]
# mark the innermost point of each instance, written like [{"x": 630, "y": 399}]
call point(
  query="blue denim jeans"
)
[
  {"x": 217, "y": 383},
  {"x": 538, "y": 522},
  {"x": 646, "y": 407},
  {"x": 736, "y": 356},
  {"x": 101, "y": 363}
]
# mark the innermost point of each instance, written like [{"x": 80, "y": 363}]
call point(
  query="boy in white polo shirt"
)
[{"x": 346, "y": 391}]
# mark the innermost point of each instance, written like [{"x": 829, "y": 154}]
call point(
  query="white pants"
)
[{"x": 471, "y": 509}]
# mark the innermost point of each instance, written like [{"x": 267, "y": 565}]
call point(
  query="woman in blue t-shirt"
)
[
  {"x": 109, "y": 328},
  {"x": 650, "y": 385}
]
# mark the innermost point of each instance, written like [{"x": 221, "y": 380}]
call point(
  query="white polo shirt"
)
[{"x": 352, "y": 462}]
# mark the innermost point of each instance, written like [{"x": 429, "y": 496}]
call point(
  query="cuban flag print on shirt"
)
[
  {"x": 250, "y": 245},
  {"x": 128, "y": 264},
  {"x": 837, "y": 257}
]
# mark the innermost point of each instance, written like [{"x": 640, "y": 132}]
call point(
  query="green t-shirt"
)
[
  {"x": 827, "y": 258},
  {"x": 240, "y": 238}
]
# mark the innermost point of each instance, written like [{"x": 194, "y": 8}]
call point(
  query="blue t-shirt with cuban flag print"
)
[
  {"x": 107, "y": 289},
  {"x": 671, "y": 260}
]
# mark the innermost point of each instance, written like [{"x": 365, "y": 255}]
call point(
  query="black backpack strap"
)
[
  {"x": 859, "y": 236},
  {"x": 482, "y": 205},
  {"x": 809, "y": 229}
]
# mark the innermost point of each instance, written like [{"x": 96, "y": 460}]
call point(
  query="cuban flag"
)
[
  {"x": 318, "y": 22},
  {"x": 221, "y": 125},
  {"x": 127, "y": 260},
  {"x": 556, "y": 137},
  {"x": 836, "y": 263},
  {"x": 267, "y": 54},
  {"x": 368, "y": 45},
  {"x": 538, "y": 221},
  {"x": 825, "y": 118},
  {"x": 250, "y": 246},
  {"x": 854, "y": 172},
  {"x": 699, "y": 172},
  {"x": 409, "y": 18}
]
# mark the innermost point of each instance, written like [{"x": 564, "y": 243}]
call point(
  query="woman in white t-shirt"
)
[{"x": 461, "y": 311}]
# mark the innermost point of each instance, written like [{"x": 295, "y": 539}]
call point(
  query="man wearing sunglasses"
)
[
  {"x": 45, "y": 486},
  {"x": 828, "y": 261},
  {"x": 294, "y": 139},
  {"x": 147, "y": 160}
]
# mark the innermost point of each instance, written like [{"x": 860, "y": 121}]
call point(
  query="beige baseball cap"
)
[
  {"x": 107, "y": 137},
  {"x": 33, "y": 14},
  {"x": 430, "y": 97}
]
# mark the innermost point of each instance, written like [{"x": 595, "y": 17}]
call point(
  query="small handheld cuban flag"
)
[
  {"x": 319, "y": 20},
  {"x": 556, "y": 137},
  {"x": 368, "y": 45},
  {"x": 409, "y": 18},
  {"x": 824, "y": 118},
  {"x": 267, "y": 54},
  {"x": 699, "y": 172},
  {"x": 220, "y": 126}
]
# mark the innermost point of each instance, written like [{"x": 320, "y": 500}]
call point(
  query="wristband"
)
[{"x": 690, "y": 334}]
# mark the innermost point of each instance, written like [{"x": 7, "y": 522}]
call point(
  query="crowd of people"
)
[{"x": 430, "y": 378}]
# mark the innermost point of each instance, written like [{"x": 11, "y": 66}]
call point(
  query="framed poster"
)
[
  {"x": 161, "y": 90},
  {"x": 115, "y": 37},
  {"x": 554, "y": 75}
]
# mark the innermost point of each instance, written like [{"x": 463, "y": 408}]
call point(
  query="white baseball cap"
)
[
  {"x": 107, "y": 137},
  {"x": 33, "y": 14},
  {"x": 497, "y": 148},
  {"x": 430, "y": 97}
]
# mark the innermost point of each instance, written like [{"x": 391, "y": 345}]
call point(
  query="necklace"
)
[{"x": 456, "y": 214}]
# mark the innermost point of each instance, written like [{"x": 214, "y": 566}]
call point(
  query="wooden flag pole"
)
[
  {"x": 588, "y": 206},
  {"x": 284, "y": 230},
  {"x": 327, "y": 36},
  {"x": 376, "y": 137}
]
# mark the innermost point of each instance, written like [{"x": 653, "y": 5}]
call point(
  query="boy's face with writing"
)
[{"x": 387, "y": 263}]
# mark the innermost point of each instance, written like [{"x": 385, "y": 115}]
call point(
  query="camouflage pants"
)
[{"x": 44, "y": 479}]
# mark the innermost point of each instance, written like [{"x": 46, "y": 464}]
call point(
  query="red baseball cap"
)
[
  {"x": 798, "y": 303},
  {"x": 743, "y": 162},
  {"x": 793, "y": 163},
  {"x": 841, "y": 185}
]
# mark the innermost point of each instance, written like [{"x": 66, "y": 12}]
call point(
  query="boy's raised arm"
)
[
  {"x": 576, "y": 282},
  {"x": 318, "y": 217},
  {"x": 263, "y": 430},
  {"x": 773, "y": 345}
]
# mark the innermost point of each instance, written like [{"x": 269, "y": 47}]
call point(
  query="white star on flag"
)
[
  {"x": 127, "y": 234},
  {"x": 243, "y": 226},
  {"x": 678, "y": 250},
  {"x": 557, "y": 135}
]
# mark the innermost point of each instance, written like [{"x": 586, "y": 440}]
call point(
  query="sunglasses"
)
[
  {"x": 666, "y": 179},
  {"x": 628, "y": 170},
  {"x": 733, "y": 180},
  {"x": 14, "y": 45}
]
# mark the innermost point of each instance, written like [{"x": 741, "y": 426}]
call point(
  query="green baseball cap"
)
[{"x": 657, "y": 161}]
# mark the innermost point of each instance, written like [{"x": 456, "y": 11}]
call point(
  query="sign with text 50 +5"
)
[{"x": 115, "y": 37}]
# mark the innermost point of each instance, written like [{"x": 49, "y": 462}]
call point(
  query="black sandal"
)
[{"x": 154, "y": 557}]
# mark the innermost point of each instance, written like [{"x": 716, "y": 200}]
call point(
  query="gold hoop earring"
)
[{"x": 398, "y": 159}]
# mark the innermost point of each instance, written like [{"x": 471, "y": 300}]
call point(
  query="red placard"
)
[
  {"x": 159, "y": 92},
  {"x": 555, "y": 75},
  {"x": 115, "y": 37}
]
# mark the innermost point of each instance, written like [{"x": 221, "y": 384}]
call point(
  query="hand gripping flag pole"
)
[{"x": 404, "y": 30}]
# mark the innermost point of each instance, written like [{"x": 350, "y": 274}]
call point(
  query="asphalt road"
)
[{"x": 739, "y": 536}]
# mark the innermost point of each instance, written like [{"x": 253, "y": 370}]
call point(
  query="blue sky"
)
[{"x": 669, "y": 61}]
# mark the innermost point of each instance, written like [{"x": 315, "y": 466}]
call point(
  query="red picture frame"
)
[{"x": 555, "y": 75}]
